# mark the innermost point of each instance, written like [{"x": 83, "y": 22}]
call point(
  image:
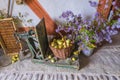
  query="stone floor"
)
[{"x": 106, "y": 60}]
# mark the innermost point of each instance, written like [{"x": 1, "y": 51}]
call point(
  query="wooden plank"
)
[
  {"x": 6, "y": 19},
  {"x": 42, "y": 37},
  {"x": 57, "y": 64}
]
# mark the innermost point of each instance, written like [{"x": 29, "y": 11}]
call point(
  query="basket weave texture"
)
[
  {"x": 7, "y": 30},
  {"x": 62, "y": 53}
]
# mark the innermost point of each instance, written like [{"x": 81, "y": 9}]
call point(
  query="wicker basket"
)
[
  {"x": 62, "y": 53},
  {"x": 7, "y": 39}
]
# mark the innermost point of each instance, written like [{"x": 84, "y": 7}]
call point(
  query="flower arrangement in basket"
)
[{"x": 63, "y": 46}]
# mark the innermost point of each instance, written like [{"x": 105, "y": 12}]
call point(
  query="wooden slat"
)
[
  {"x": 42, "y": 37},
  {"x": 101, "y": 8}
]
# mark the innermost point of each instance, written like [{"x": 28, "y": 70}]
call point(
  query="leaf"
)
[{"x": 92, "y": 41}]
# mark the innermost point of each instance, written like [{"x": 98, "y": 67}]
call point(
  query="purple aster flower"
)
[
  {"x": 85, "y": 21},
  {"x": 89, "y": 23},
  {"x": 107, "y": 37},
  {"x": 66, "y": 30},
  {"x": 69, "y": 29},
  {"x": 64, "y": 15},
  {"x": 93, "y": 3},
  {"x": 113, "y": 3},
  {"x": 118, "y": 20},
  {"x": 79, "y": 15},
  {"x": 103, "y": 31},
  {"x": 69, "y": 12},
  {"x": 67, "y": 19},
  {"x": 69, "y": 36},
  {"x": 113, "y": 26},
  {"x": 111, "y": 32},
  {"x": 99, "y": 23},
  {"x": 114, "y": 32},
  {"x": 118, "y": 26},
  {"x": 110, "y": 41},
  {"x": 108, "y": 27},
  {"x": 79, "y": 43},
  {"x": 61, "y": 28},
  {"x": 83, "y": 45},
  {"x": 87, "y": 38},
  {"x": 57, "y": 30},
  {"x": 97, "y": 14},
  {"x": 79, "y": 27},
  {"x": 72, "y": 27},
  {"x": 77, "y": 23},
  {"x": 116, "y": 7}
]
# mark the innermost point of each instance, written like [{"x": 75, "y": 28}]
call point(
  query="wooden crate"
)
[{"x": 7, "y": 39}]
